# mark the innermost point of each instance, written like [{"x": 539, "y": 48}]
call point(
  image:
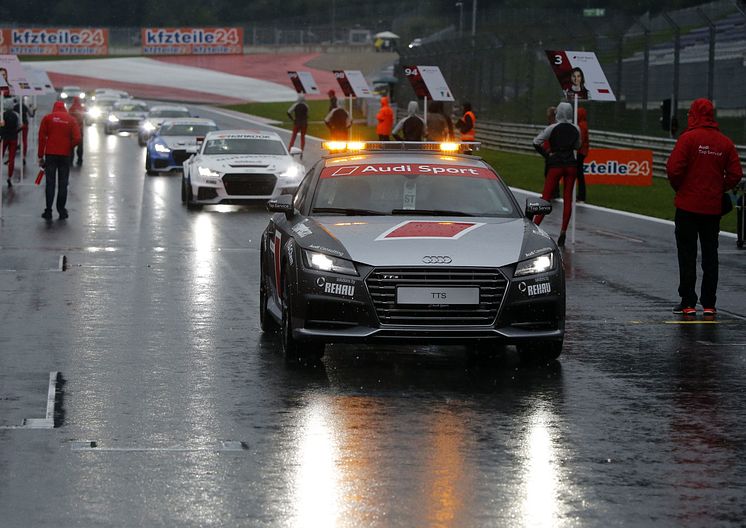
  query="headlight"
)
[
  {"x": 63, "y": 95},
  {"x": 322, "y": 262},
  {"x": 148, "y": 126},
  {"x": 163, "y": 149},
  {"x": 208, "y": 173},
  {"x": 292, "y": 173},
  {"x": 540, "y": 264},
  {"x": 95, "y": 112},
  {"x": 113, "y": 118},
  {"x": 82, "y": 95}
]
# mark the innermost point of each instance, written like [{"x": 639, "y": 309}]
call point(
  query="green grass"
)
[{"x": 524, "y": 171}]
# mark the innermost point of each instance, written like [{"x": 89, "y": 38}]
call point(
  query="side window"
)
[{"x": 302, "y": 195}]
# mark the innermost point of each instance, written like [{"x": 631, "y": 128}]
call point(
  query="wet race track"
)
[{"x": 171, "y": 408}]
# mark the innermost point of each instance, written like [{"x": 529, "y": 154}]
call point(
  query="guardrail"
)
[{"x": 518, "y": 137}]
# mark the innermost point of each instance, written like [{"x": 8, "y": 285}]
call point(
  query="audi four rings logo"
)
[{"x": 437, "y": 259}]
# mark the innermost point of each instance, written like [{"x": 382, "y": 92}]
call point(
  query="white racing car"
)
[{"x": 239, "y": 166}]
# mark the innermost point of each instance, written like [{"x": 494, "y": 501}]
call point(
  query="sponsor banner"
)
[
  {"x": 579, "y": 73},
  {"x": 54, "y": 41},
  {"x": 192, "y": 41},
  {"x": 428, "y": 81},
  {"x": 353, "y": 83},
  {"x": 432, "y": 229},
  {"x": 377, "y": 169},
  {"x": 619, "y": 167},
  {"x": 13, "y": 77},
  {"x": 303, "y": 82}
]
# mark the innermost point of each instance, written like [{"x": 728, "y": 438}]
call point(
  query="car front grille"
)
[
  {"x": 129, "y": 123},
  {"x": 382, "y": 284},
  {"x": 180, "y": 156},
  {"x": 249, "y": 184}
]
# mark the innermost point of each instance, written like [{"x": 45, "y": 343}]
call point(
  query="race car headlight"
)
[
  {"x": 82, "y": 95},
  {"x": 293, "y": 173},
  {"x": 540, "y": 264},
  {"x": 113, "y": 118},
  {"x": 63, "y": 95},
  {"x": 163, "y": 149},
  {"x": 147, "y": 126},
  {"x": 95, "y": 112},
  {"x": 206, "y": 172},
  {"x": 322, "y": 262}
]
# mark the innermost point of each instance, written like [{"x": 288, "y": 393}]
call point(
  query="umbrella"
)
[{"x": 387, "y": 35}]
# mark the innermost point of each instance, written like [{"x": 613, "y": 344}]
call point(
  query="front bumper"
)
[
  {"x": 528, "y": 309},
  {"x": 241, "y": 188},
  {"x": 168, "y": 161}
]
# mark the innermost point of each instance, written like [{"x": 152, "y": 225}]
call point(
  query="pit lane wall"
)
[{"x": 54, "y": 41}]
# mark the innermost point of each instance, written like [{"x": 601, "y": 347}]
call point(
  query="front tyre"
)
[
  {"x": 539, "y": 352},
  {"x": 148, "y": 166},
  {"x": 295, "y": 351},
  {"x": 266, "y": 321}
]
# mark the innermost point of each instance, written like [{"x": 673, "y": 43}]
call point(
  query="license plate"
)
[{"x": 437, "y": 295}]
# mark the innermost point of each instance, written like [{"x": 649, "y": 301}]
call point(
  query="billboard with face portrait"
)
[
  {"x": 13, "y": 76},
  {"x": 579, "y": 74}
]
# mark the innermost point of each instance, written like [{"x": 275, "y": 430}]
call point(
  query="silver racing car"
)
[{"x": 410, "y": 245}]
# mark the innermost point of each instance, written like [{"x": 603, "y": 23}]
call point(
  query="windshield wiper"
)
[
  {"x": 346, "y": 211},
  {"x": 431, "y": 212}
]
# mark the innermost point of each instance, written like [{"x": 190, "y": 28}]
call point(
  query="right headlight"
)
[
  {"x": 538, "y": 264},
  {"x": 113, "y": 118},
  {"x": 324, "y": 262}
]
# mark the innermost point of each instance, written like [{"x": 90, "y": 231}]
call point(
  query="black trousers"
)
[
  {"x": 57, "y": 170},
  {"x": 689, "y": 228}
]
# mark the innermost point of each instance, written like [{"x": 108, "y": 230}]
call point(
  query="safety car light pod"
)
[
  {"x": 539, "y": 264},
  {"x": 323, "y": 262}
]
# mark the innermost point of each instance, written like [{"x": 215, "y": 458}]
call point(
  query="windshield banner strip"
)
[{"x": 425, "y": 169}]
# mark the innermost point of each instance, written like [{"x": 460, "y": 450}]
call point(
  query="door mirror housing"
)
[
  {"x": 296, "y": 152},
  {"x": 536, "y": 206},
  {"x": 282, "y": 204}
]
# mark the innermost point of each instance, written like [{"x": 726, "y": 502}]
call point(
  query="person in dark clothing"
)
[
  {"x": 564, "y": 140},
  {"x": 702, "y": 166},
  {"x": 412, "y": 127},
  {"x": 582, "y": 152},
  {"x": 299, "y": 114},
  {"x": 332, "y": 100},
  {"x": 439, "y": 126},
  {"x": 78, "y": 112},
  {"x": 338, "y": 121},
  {"x": 58, "y": 135},
  {"x": 9, "y": 128},
  {"x": 25, "y": 112}
]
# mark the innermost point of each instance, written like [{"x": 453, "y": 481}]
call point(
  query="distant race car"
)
[
  {"x": 98, "y": 112},
  {"x": 125, "y": 115},
  {"x": 156, "y": 116},
  {"x": 238, "y": 166},
  {"x": 174, "y": 142},
  {"x": 99, "y": 92},
  {"x": 68, "y": 92},
  {"x": 410, "y": 246}
]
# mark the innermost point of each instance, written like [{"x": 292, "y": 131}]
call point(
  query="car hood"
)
[
  {"x": 246, "y": 163},
  {"x": 179, "y": 142},
  {"x": 126, "y": 115},
  {"x": 408, "y": 241}
]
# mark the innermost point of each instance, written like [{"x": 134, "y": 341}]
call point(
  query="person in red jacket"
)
[
  {"x": 582, "y": 151},
  {"x": 77, "y": 110},
  {"x": 702, "y": 166},
  {"x": 385, "y": 119},
  {"x": 58, "y": 135}
]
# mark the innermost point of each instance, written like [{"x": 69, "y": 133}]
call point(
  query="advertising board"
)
[
  {"x": 353, "y": 83},
  {"x": 192, "y": 41},
  {"x": 428, "y": 81},
  {"x": 579, "y": 73},
  {"x": 54, "y": 41},
  {"x": 619, "y": 167},
  {"x": 14, "y": 75},
  {"x": 303, "y": 82}
]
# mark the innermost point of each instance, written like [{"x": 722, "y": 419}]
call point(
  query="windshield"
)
[
  {"x": 245, "y": 146},
  {"x": 420, "y": 189},
  {"x": 186, "y": 130},
  {"x": 130, "y": 107},
  {"x": 169, "y": 113}
]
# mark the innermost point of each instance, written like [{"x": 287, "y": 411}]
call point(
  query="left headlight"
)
[
  {"x": 163, "y": 149},
  {"x": 206, "y": 172},
  {"x": 323, "y": 262},
  {"x": 293, "y": 173},
  {"x": 94, "y": 112},
  {"x": 113, "y": 118},
  {"x": 532, "y": 266}
]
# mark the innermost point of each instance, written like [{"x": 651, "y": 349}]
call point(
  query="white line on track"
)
[{"x": 48, "y": 421}]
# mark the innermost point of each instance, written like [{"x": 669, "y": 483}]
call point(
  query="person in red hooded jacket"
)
[
  {"x": 77, "y": 110},
  {"x": 385, "y": 119},
  {"x": 58, "y": 135},
  {"x": 702, "y": 166}
]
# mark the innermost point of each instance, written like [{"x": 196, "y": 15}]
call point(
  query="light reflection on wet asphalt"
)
[{"x": 155, "y": 329}]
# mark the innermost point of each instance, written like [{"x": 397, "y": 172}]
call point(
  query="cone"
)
[{"x": 39, "y": 177}]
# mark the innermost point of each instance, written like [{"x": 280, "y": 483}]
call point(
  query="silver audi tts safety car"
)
[
  {"x": 240, "y": 166},
  {"x": 410, "y": 242}
]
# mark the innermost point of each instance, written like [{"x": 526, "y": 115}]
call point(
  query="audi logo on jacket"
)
[{"x": 58, "y": 132}]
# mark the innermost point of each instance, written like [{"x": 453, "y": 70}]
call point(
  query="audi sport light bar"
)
[{"x": 361, "y": 146}]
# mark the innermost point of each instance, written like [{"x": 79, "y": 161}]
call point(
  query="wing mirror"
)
[
  {"x": 282, "y": 204},
  {"x": 537, "y": 206},
  {"x": 295, "y": 152}
]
